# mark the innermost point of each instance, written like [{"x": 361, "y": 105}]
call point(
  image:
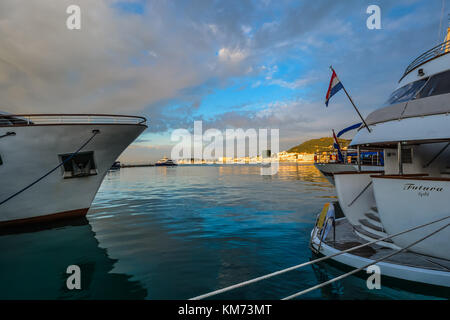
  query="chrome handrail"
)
[
  {"x": 439, "y": 50},
  {"x": 316, "y": 230},
  {"x": 323, "y": 232},
  {"x": 313, "y": 233},
  {"x": 49, "y": 119}
]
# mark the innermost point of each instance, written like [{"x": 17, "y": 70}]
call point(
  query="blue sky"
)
[
  {"x": 297, "y": 71},
  {"x": 233, "y": 64}
]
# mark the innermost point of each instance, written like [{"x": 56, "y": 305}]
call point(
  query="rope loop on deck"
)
[
  {"x": 345, "y": 275},
  {"x": 273, "y": 274}
]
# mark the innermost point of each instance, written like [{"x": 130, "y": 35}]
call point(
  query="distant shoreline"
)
[
  {"x": 212, "y": 164},
  {"x": 136, "y": 165}
]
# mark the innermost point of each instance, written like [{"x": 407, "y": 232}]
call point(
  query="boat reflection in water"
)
[
  {"x": 35, "y": 261},
  {"x": 355, "y": 287}
]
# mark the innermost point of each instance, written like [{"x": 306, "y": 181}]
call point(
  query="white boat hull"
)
[
  {"x": 355, "y": 194},
  {"x": 399, "y": 271},
  {"x": 405, "y": 203},
  {"x": 36, "y": 149},
  {"x": 329, "y": 169}
]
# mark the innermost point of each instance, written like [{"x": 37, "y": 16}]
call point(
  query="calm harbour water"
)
[{"x": 174, "y": 233}]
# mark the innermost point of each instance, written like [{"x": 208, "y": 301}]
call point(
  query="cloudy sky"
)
[{"x": 233, "y": 64}]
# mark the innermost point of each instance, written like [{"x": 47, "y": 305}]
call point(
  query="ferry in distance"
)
[{"x": 165, "y": 162}]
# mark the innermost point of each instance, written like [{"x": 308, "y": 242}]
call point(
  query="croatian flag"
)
[{"x": 335, "y": 86}]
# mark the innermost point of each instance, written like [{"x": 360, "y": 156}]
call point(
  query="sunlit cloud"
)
[{"x": 229, "y": 63}]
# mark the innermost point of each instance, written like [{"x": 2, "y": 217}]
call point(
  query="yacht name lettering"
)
[
  {"x": 423, "y": 194},
  {"x": 414, "y": 187}
]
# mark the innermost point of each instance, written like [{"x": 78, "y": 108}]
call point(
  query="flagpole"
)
[
  {"x": 354, "y": 106},
  {"x": 341, "y": 157}
]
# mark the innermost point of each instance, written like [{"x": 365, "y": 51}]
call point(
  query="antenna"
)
[{"x": 440, "y": 22}]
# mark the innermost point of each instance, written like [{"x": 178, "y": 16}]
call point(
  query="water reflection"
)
[
  {"x": 190, "y": 229},
  {"x": 174, "y": 233},
  {"x": 304, "y": 172},
  {"x": 34, "y": 262}
]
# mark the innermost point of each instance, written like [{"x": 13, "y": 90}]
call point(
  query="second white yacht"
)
[{"x": 413, "y": 192}]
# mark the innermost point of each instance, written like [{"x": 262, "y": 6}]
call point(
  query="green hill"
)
[{"x": 318, "y": 145}]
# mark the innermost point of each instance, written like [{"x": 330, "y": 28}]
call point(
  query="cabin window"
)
[
  {"x": 407, "y": 155},
  {"x": 81, "y": 165},
  {"x": 407, "y": 92},
  {"x": 438, "y": 84},
  {"x": 1, "y": 161}
]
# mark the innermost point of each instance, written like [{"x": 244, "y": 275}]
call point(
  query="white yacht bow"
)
[{"x": 53, "y": 164}]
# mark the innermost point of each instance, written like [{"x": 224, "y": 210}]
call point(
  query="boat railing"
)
[
  {"x": 55, "y": 119},
  {"x": 323, "y": 231},
  {"x": 368, "y": 158},
  {"x": 433, "y": 53}
]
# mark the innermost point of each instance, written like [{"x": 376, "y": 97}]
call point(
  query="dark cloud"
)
[{"x": 161, "y": 63}]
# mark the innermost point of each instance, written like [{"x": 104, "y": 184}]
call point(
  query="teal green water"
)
[{"x": 174, "y": 233}]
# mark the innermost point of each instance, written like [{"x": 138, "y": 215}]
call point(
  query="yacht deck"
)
[{"x": 347, "y": 238}]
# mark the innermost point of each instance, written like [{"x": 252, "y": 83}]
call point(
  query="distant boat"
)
[
  {"x": 165, "y": 162},
  {"x": 115, "y": 166},
  {"x": 347, "y": 160},
  {"x": 370, "y": 161}
]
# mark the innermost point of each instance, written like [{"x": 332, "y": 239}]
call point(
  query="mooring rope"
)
[
  {"x": 345, "y": 275},
  {"x": 273, "y": 274},
  {"x": 8, "y": 134},
  {"x": 94, "y": 133}
]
